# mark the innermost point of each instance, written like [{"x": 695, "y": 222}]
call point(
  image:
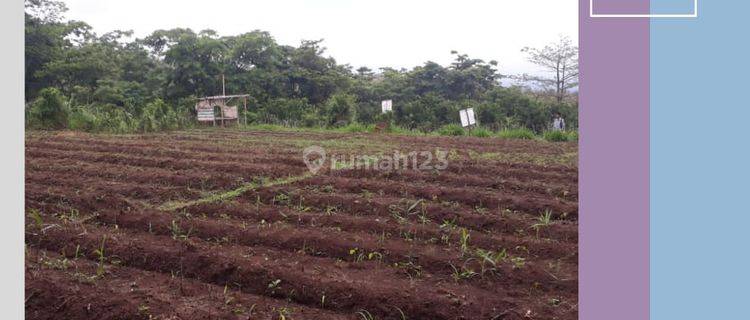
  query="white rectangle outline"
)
[{"x": 648, "y": 15}]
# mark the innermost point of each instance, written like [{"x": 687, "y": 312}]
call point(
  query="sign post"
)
[
  {"x": 467, "y": 117},
  {"x": 387, "y": 105}
]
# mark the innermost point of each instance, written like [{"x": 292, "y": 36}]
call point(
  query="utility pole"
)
[{"x": 223, "y": 88}]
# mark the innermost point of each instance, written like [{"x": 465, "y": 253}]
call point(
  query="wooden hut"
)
[{"x": 217, "y": 110}]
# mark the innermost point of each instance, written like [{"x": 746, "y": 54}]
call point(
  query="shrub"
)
[
  {"x": 555, "y": 136},
  {"x": 81, "y": 118},
  {"x": 312, "y": 119},
  {"x": 480, "y": 132},
  {"x": 48, "y": 111},
  {"x": 520, "y": 133},
  {"x": 158, "y": 116},
  {"x": 113, "y": 119},
  {"x": 451, "y": 130},
  {"x": 340, "y": 109}
]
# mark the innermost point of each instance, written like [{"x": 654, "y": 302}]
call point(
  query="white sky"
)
[{"x": 372, "y": 33}]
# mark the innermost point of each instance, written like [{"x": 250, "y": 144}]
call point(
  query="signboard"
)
[
  {"x": 470, "y": 112},
  {"x": 467, "y": 117},
  {"x": 230, "y": 112},
  {"x": 206, "y": 114},
  {"x": 387, "y": 105}
]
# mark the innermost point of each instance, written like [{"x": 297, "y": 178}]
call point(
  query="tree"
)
[
  {"x": 561, "y": 60},
  {"x": 114, "y": 83}
]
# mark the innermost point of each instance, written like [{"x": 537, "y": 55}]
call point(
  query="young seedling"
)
[
  {"x": 462, "y": 274},
  {"x": 464, "y": 241},
  {"x": 273, "y": 285},
  {"x": 282, "y": 199},
  {"x": 37, "y": 217},
  {"x": 102, "y": 258},
  {"x": 518, "y": 262},
  {"x": 545, "y": 219},
  {"x": 448, "y": 224},
  {"x": 489, "y": 257},
  {"x": 284, "y": 312},
  {"x": 412, "y": 270},
  {"x": 178, "y": 233}
]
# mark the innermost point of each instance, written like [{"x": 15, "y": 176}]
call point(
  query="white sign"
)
[
  {"x": 467, "y": 117},
  {"x": 206, "y": 115},
  {"x": 472, "y": 120},
  {"x": 464, "y": 118},
  {"x": 387, "y": 105}
]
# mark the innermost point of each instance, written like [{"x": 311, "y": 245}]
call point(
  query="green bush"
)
[
  {"x": 114, "y": 119},
  {"x": 312, "y": 119},
  {"x": 556, "y": 136},
  {"x": 158, "y": 116},
  {"x": 520, "y": 133},
  {"x": 451, "y": 130},
  {"x": 82, "y": 119},
  {"x": 340, "y": 109},
  {"x": 480, "y": 132},
  {"x": 48, "y": 111}
]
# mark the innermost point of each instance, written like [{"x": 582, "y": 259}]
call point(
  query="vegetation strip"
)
[{"x": 171, "y": 206}]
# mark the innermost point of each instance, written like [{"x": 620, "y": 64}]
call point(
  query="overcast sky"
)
[{"x": 372, "y": 33}]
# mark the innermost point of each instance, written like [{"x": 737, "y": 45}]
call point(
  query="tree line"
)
[{"x": 78, "y": 79}]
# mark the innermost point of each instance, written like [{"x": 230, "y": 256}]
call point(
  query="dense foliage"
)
[{"x": 80, "y": 80}]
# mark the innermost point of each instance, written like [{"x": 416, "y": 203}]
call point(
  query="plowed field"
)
[{"x": 231, "y": 224}]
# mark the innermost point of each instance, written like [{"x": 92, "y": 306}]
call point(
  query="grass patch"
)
[
  {"x": 451, "y": 130},
  {"x": 559, "y": 136},
  {"x": 480, "y": 132},
  {"x": 555, "y": 136},
  {"x": 356, "y": 128},
  {"x": 520, "y": 133}
]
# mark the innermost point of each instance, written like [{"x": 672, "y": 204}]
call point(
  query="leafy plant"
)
[
  {"x": 544, "y": 220},
  {"x": 489, "y": 260},
  {"x": 463, "y": 273}
]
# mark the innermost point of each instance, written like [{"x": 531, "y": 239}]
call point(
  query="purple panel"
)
[
  {"x": 619, "y": 6},
  {"x": 614, "y": 163}
]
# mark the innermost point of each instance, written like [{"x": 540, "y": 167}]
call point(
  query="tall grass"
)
[
  {"x": 560, "y": 136},
  {"x": 451, "y": 130},
  {"x": 480, "y": 132},
  {"x": 520, "y": 133},
  {"x": 357, "y": 128}
]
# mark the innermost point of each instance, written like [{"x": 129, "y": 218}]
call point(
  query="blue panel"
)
[{"x": 700, "y": 164}]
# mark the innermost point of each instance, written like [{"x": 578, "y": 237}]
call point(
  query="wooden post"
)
[
  {"x": 221, "y": 107},
  {"x": 244, "y": 101},
  {"x": 212, "y": 111},
  {"x": 223, "y": 88}
]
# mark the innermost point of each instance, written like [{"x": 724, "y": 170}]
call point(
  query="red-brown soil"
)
[{"x": 154, "y": 227}]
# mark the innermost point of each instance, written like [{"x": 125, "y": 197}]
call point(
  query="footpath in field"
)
[{"x": 231, "y": 224}]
